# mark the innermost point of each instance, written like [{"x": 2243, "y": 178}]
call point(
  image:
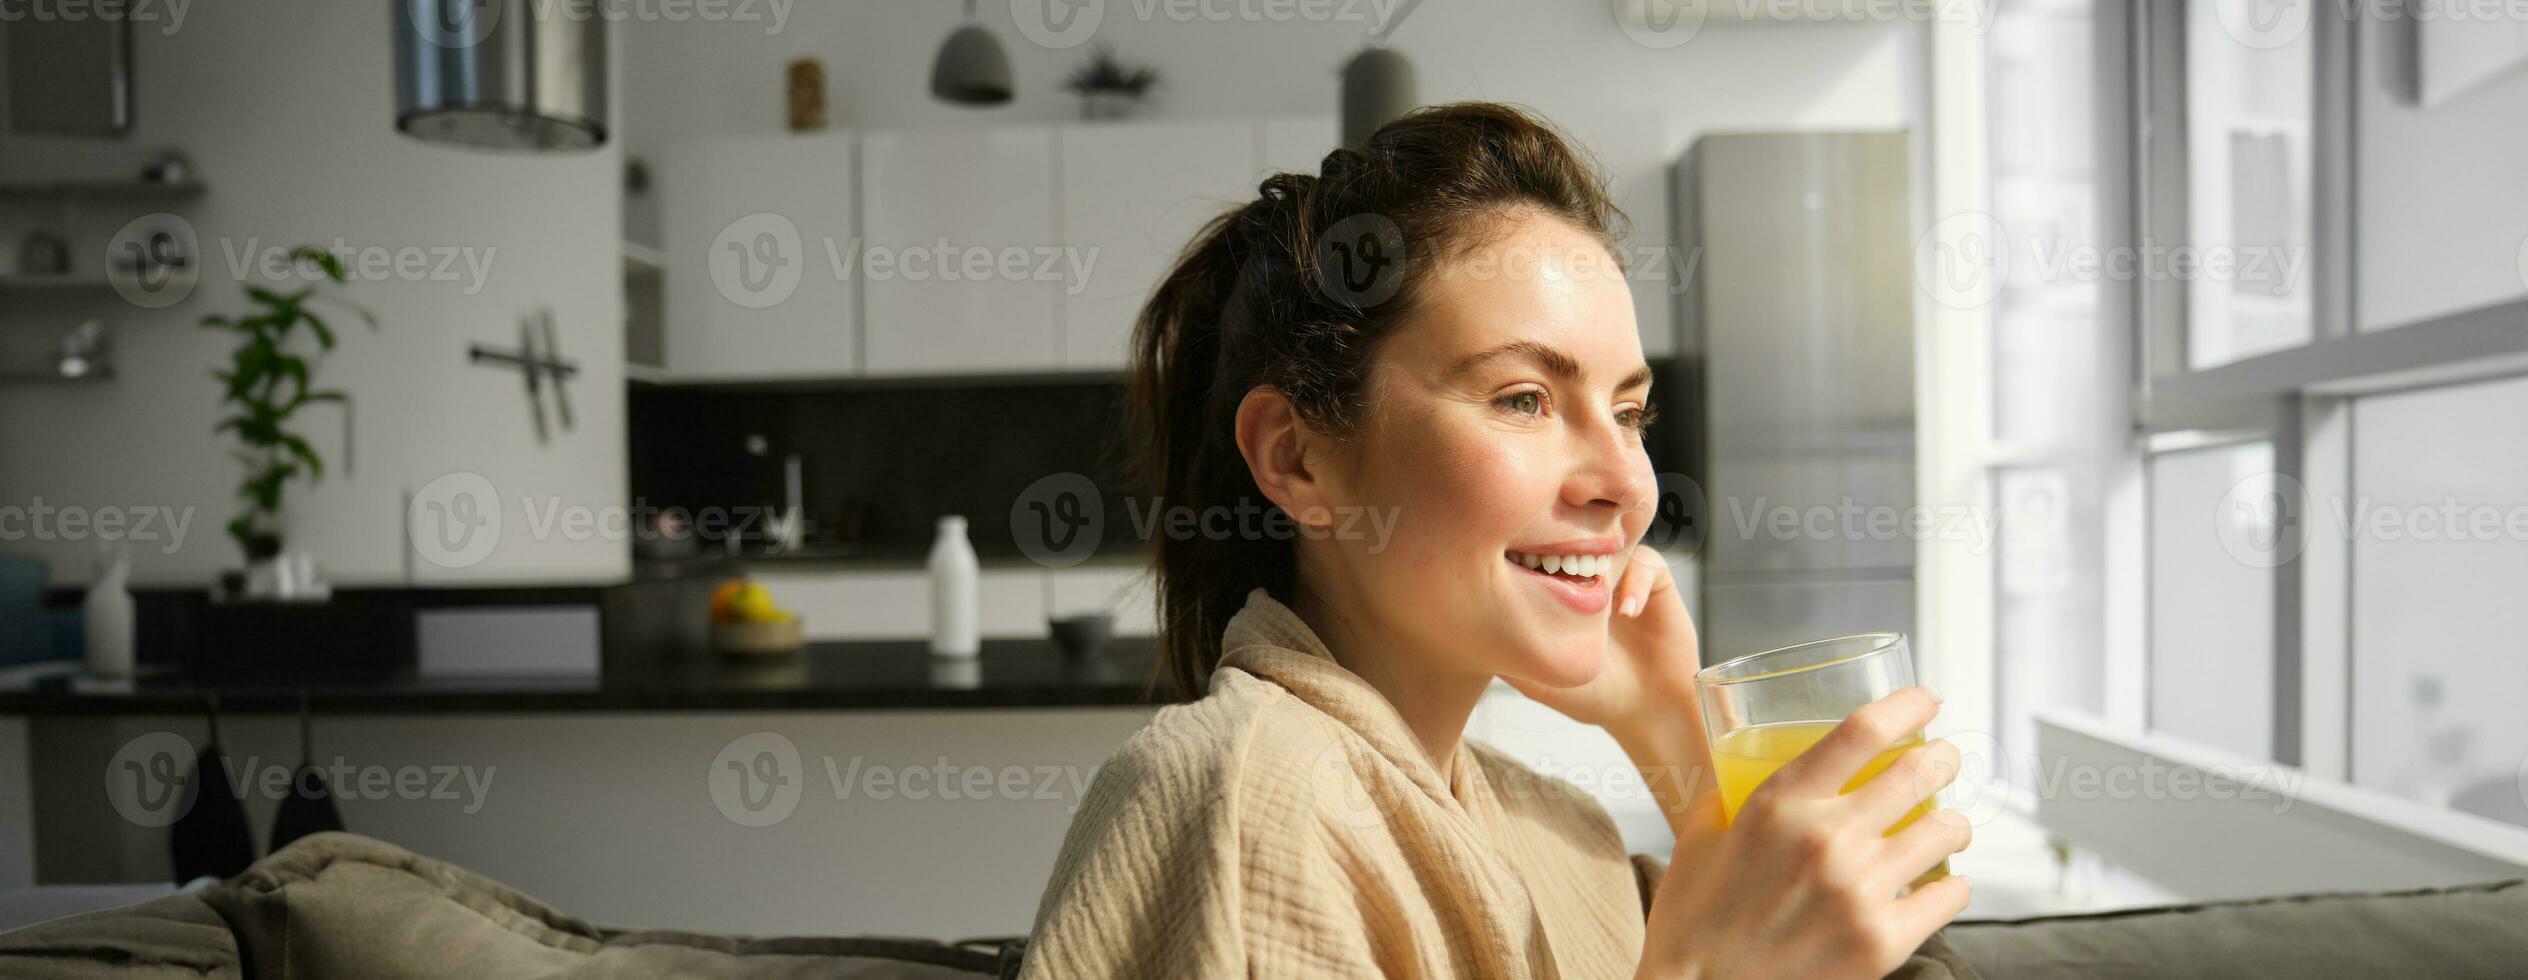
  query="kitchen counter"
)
[{"x": 836, "y": 676}]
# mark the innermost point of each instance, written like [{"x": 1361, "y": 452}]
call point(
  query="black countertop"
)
[{"x": 853, "y": 675}]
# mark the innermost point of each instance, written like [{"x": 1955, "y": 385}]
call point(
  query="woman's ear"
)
[{"x": 1284, "y": 456}]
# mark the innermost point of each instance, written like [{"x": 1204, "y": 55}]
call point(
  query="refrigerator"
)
[{"x": 1796, "y": 363}]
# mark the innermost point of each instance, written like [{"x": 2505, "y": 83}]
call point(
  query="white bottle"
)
[
  {"x": 954, "y": 631},
  {"x": 108, "y": 618}
]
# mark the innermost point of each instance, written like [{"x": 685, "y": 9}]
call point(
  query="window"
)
[
  {"x": 2213, "y": 525},
  {"x": 2248, "y": 98},
  {"x": 2439, "y": 524}
]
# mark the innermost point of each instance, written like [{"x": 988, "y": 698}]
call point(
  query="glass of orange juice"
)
[{"x": 1763, "y": 709}]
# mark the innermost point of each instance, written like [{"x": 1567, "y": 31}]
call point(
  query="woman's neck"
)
[{"x": 1435, "y": 702}]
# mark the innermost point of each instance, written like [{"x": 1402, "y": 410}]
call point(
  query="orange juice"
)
[{"x": 1746, "y": 757}]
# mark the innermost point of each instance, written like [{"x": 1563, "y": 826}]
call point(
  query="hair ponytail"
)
[{"x": 1249, "y": 303}]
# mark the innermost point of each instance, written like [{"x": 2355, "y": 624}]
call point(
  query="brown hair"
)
[{"x": 1270, "y": 294}]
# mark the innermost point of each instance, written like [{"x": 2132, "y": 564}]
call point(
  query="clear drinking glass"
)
[{"x": 1763, "y": 709}]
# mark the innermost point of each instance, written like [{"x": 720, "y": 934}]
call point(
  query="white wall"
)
[
  {"x": 2441, "y": 224},
  {"x": 285, "y": 108},
  {"x": 1637, "y": 108}
]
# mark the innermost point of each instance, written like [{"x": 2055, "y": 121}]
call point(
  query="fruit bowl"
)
[{"x": 758, "y": 638}]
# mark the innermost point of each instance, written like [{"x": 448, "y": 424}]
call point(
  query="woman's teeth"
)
[{"x": 1578, "y": 566}]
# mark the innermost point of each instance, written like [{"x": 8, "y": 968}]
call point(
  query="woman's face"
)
[{"x": 1503, "y": 428}]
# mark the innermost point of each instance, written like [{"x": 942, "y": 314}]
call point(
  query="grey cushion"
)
[
  {"x": 161, "y": 939},
  {"x": 2446, "y": 934},
  {"x": 338, "y": 905}
]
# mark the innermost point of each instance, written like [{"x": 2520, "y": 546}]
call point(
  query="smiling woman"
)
[{"x": 1434, "y": 330}]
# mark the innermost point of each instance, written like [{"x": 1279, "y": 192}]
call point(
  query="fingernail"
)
[
  {"x": 1936, "y": 698},
  {"x": 1632, "y": 606}
]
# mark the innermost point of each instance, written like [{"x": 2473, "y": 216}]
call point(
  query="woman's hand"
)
[
  {"x": 1804, "y": 882},
  {"x": 1647, "y": 682}
]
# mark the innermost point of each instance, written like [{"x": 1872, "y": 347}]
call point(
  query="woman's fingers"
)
[
  {"x": 1925, "y": 843},
  {"x": 1644, "y": 569},
  {"x": 1921, "y": 771},
  {"x": 1924, "y": 910},
  {"x": 1835, "y": 759}
]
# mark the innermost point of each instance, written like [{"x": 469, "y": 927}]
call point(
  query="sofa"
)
[{"x": 339, "y": 905}]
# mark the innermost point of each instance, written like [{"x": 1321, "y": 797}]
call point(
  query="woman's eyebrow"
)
[
  {"x": 1562, "y": 366},
  {"x": 1552, "y": 359}
]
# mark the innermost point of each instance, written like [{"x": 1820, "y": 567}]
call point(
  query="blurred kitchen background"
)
[{"x": 2156, "y": 366}]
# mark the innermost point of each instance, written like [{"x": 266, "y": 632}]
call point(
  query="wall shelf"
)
[
  {"x": 50, "y": 281},
  {"x": 17, "y": 378},
  {"x": 101, "y": 188}
]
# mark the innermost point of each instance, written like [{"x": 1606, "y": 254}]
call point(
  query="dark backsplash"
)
[{"x": 882, "y": 462}]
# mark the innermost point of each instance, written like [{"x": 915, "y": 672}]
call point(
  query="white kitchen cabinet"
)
[
  {"x": 1133, "y": 195},
  {"x": 748, "y": 228},
  {"x": 943, "y": 213}
]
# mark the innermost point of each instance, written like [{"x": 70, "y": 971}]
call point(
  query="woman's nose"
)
[{"x": 1610, "y": 472}]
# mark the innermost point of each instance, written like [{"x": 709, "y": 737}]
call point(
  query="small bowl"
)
[
  {"x": 758, "y": 639},
  {"x": 1082, "y": 637}
]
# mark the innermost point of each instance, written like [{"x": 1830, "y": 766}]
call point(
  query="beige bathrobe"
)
[{"x": 1288, "y": 825}]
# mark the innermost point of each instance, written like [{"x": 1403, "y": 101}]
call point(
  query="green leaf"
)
[
  {"x": 295, "y": 369},
  {"x": 298, "y": 447},
  {"x": 324, "y": 260},
  {"x": 324, "y": 334}
]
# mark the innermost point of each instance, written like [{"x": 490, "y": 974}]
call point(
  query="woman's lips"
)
[{"x": 1586, "y": 595}]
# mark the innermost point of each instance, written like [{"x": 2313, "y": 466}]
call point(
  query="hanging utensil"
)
[
  {"x": 309, "y": 807},
  {"x": 211, "y": 838}
]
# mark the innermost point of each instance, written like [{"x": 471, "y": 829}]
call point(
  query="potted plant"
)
[
  {"x": 1107, "y": 89},
  {"x": 269, "y": 377}
]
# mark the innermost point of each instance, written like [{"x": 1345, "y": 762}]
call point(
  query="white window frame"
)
[{"x": 2299, "y": 398}]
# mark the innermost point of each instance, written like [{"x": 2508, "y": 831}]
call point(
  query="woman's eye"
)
[
  {"x": 1524, "y": 402},
  {"x": 1638, "y": 418}
]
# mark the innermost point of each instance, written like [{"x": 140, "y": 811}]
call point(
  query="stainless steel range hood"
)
[{"x": 491, "y": 74}]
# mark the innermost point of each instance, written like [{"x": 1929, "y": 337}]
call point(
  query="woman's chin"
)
[{"x": 1566, "y": 666}]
